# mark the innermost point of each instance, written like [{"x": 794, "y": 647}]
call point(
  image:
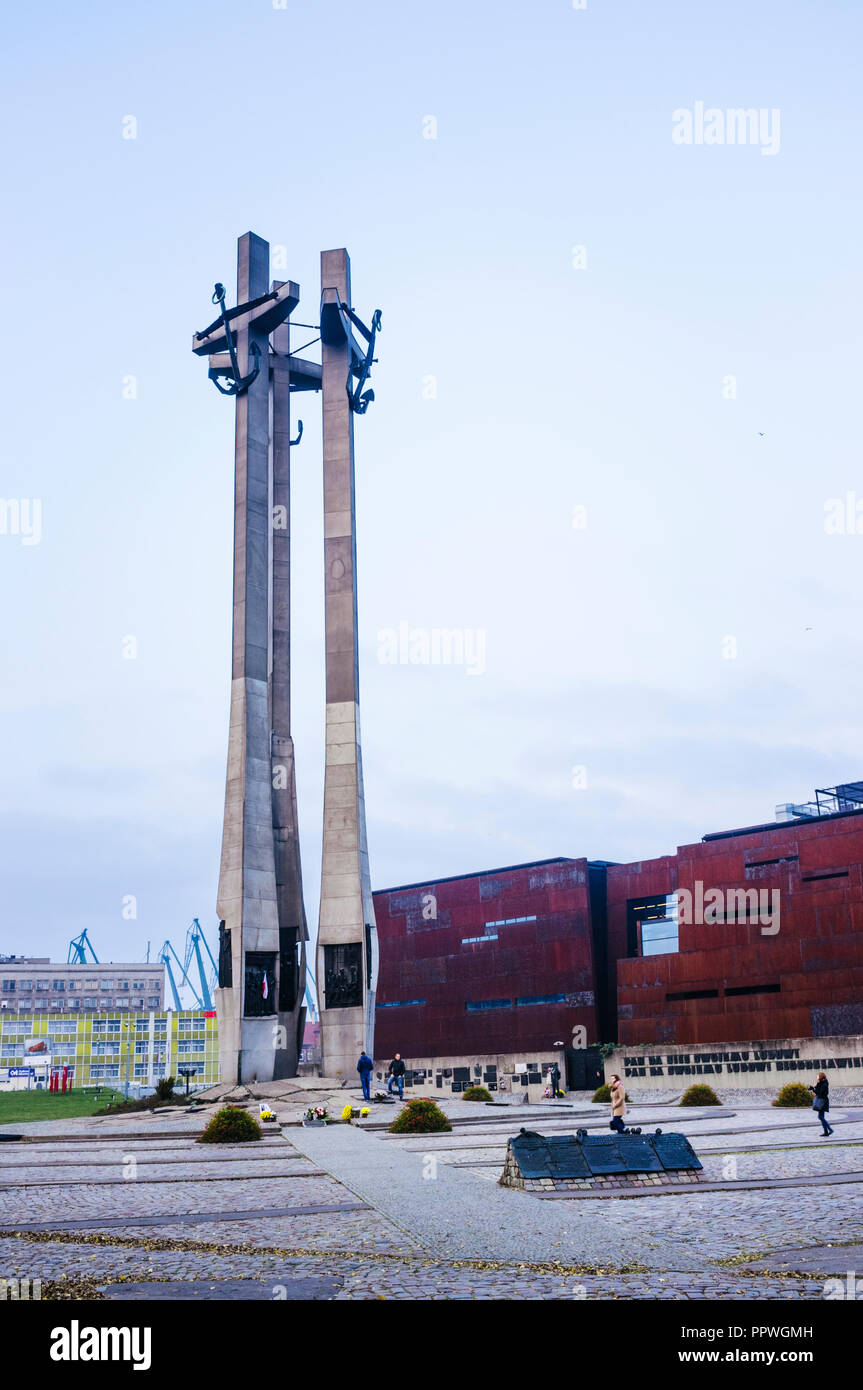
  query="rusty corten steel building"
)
[
  {"x": 746, "y": 977},
  {"x": 490, "y": 962},
  {"x": 513, "y": 959}
]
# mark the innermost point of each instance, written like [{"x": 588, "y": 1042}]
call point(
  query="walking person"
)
[
  {"x": 365, "y": 1067},
  {"x": 821, "y": 1103},
  {"x": 397, "y": 1075},
  {"x": 618, "y": 1104}
]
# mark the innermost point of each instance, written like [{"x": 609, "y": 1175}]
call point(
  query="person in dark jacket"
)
[
  {"x": 397, "y": 1075},
  {"x": 365, "y": 1067},
  {"x": 821, "y": 1103}
]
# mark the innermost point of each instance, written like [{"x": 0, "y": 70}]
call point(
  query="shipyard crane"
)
[
  {"x": 78, "y": 950},
  {"x": 165, "y": 955},
  {"x": 311, "y": 996},
  {"x": 194, "y": 938}
]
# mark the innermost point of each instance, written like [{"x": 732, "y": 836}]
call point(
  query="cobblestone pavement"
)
[
  {"x": 665, "y": 1247},
  {"x": 359, "y": 1279}
]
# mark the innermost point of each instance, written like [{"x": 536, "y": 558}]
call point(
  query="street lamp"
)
[
  {"x": 128, "y": 1027},
  {"x": 187, "y": 1071}
]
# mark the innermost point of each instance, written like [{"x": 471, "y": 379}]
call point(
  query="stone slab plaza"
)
[{"x": 132, "y": 1207}]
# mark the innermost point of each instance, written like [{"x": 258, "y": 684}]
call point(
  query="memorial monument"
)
[
  {"x": 347, "y": 948},
  {"x": 262, "y": 933}
]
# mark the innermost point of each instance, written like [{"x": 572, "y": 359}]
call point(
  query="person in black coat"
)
[
  {"x": 397, "y": 1075},
  {"x": 821, "y": 1103}
]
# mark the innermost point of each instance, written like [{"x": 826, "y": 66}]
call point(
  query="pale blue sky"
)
[{"x": 556, "y": 387}]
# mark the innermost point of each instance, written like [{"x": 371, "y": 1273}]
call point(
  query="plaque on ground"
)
[
  {"x": 638, "y": 1154},
  {"x": 603, "y": 1153},
  {"x": 675, "y": 1152},
  {"x": 555, "y": 1156}
]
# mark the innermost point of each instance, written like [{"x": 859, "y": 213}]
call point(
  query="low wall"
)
[
  {"x": 503, "y": 1074},
  {"x": 740, "y": 1066}
]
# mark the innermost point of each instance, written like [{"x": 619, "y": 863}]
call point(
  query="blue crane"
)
[
  {"x": 194, "y": 937},
  {"x": 78, "y": 950},
  {"x": 165, "y": 955},
  {"x": 311, "y": 993}
]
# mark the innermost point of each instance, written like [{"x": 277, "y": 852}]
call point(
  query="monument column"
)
[
  {"x": 347, "y": 951},
  {"x": 293, "y": 931},
  {"x": 260, "y": 891}
]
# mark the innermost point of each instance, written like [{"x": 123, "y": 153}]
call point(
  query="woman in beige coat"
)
[{"x": 618, "y": 1103}]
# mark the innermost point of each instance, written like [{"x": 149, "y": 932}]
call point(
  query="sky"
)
[{"x": 615, "y": 440}]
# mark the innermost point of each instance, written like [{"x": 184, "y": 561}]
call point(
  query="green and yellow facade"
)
[{"x": 108, "y": 1047}]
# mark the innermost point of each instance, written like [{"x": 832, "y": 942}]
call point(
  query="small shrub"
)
[
  {"x": 476, "y": 1093},
  {"x": 794, "y": 1094},
  {"x": 700, "y": 1095},
  {"x": 231, "y": 1127},
  {"x": 602, "y": 1096},
  {"x": 420, "y": 1117},
  {"x": 165, "y": 1088}
]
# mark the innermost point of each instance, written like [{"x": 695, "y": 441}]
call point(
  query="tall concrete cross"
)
[
  {"x": 260, "y": 900},
  {"x": 347, "y": 949}
]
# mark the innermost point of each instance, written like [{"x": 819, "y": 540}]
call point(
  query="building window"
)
[
  {"x": 474, "y": 1005},
  {"x": 542, "y": 999},
  {"x": 652, "y": 925},
  {"x": 153, "y": 1001},
  {"x": 753, "y": 989},
  {"x": 58, "y": 985},
  {"x": 400, "y": 1003},
  {"x": 472, "y": 940},
  {"x": 510, "y": 921},
  {"x": 8, "y": 986}
]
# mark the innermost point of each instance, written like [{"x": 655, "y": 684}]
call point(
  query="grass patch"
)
[{"x": 23, "y": 1107}]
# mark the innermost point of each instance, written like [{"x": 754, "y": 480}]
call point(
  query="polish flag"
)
[{"x": 265, "y": 989}]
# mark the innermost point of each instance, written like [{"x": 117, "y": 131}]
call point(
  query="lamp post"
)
[
  {"x": 187, "y": 1071},
  {"x": 128, "y": 1027}
]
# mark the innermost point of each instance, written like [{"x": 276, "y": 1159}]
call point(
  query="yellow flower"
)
[
  {"x": 347, "y": 1112},
  {"x": 365, "y": 1111}
]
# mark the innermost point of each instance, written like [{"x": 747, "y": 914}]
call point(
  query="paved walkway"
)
[{"x": 345, "y": 1214}]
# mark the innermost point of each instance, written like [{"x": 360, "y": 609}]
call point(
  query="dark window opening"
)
[
  {"x": 753, "y": 989},
  {"x": 289, "y": 969},
  {"x": 694, "y": 994},
  {"x": 816, "y": 878},
  {"x": 762, "y": 863},
  {"x": 260, "y": 993},
  {"x": 226, "y": 964},
  {"x": 343, "y": 976}
]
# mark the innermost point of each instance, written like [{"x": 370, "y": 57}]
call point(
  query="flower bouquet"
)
[{"x": 316, "y": 1115}]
